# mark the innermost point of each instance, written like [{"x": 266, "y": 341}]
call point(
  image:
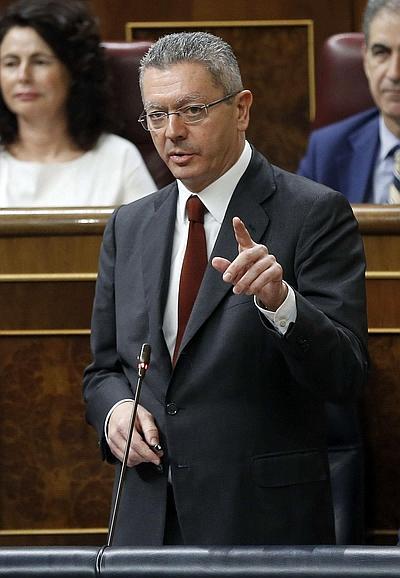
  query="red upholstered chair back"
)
[
  {"x": 123, "y": 60},
  {"x": 342, "y": 87}
]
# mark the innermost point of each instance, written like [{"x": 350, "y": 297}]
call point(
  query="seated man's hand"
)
[{"x": 145, "y": 435}]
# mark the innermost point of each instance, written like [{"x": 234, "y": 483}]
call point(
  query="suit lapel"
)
[
  {"x": 156, "y": 250},
  {"x": 246, "y": 202},
  {"x": 360, "y": 162}
]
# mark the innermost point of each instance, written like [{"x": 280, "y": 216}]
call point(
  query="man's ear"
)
[{"x": 244, "y": 101}]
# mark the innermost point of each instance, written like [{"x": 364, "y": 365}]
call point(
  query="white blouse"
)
[{"x": 112, "y": 173}]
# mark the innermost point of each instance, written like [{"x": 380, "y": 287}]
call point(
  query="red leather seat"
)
[
  {"x": 123, "y": 59},
  {"x": 342, "y": 87}
]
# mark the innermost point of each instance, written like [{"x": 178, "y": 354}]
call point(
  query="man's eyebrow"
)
[{"x": 195, "y": 97}]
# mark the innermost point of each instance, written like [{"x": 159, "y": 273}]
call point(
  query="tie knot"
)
[{"x": 195, "y": 209}]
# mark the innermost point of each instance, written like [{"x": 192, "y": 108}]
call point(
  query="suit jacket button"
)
[
  {"x": 304, "y": 343},
  {"x": 172, "y": 409}
]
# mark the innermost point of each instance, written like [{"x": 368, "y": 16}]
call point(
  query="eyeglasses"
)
[{"x": 190, "y": 114}]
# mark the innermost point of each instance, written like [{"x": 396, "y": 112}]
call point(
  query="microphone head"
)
[
  {"x": 145, "y": 354},
  {"x": 144, "y": 359}
]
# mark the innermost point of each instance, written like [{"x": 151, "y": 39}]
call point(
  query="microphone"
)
[
  {"x": 144, "y": 359},
  {"x": 143, "y": 364}
]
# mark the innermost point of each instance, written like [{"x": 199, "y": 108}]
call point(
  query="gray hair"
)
[
  {"x": 212, "y": 52},
  {"x": 373, "y": 8}
]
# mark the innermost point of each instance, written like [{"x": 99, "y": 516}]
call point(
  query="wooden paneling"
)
[
  {"x": 386, "y": 292},
  {"x": 329, "y": 17},
  {"x": 55, "y": 488},
  {"x": 381, "y": 420},
  {"x": 52, "y": 476},
  {"x": 358, "y": 10},
  {"x": 380, "y": 227},
  {"x": 55, "y": 304}
]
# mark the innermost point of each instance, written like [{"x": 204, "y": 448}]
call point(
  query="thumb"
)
[
  {"x": 220, "y": 264},
  {"x": 147, "y": 426}
]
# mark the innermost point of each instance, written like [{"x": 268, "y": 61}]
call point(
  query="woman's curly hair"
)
[{"x": 71, "y": 31}]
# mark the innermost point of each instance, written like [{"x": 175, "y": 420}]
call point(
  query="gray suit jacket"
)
[{"x": 244, "y": 437}]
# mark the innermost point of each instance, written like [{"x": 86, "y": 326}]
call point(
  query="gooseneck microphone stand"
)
[{"x": 143, "y": 364}]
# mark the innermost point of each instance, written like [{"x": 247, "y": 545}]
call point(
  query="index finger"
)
[{"x": 241, "y": 234}]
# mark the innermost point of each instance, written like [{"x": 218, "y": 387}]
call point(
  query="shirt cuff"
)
[
  {"x": 109, "y": 415},
  {"x": 284, "y": 315}
]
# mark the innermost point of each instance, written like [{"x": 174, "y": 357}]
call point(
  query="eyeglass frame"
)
[{"x": 143, "y": 117}]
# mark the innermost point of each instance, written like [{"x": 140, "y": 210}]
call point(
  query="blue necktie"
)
[{"x": 394, "y": 190}]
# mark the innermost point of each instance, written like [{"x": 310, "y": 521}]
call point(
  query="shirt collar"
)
[
  {"x": 217, "y": 195},
  {"x": 387, "y": 139}
]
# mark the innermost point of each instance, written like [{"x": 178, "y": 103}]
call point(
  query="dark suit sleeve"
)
[
  {"x": 104, "y": 381},
  {"x": 325, "y": 349}
]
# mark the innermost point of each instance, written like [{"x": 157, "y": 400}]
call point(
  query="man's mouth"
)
[
  {"x": 392, "y": 91},
  {"x": 180, "y": 157}
]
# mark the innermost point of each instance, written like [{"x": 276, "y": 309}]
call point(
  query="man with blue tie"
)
[{"x": 356, "y": 156}]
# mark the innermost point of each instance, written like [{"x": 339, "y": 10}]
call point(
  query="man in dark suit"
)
[
  {"x": 278, "y": 326},
  {"x": 355, "y": 156}
]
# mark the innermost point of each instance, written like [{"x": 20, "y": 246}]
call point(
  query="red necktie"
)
[{"x": 193, "y": 267}]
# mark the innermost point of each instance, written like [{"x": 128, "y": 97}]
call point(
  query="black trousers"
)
[{"x": 172, "y": 533}]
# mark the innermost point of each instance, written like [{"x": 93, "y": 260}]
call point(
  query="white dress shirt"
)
[{"x": 383, "y": 172}]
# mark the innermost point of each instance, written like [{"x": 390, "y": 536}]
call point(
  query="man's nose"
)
[
  {"x": 394, "y": 67},
  {"x": 175, "y": 127}
]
